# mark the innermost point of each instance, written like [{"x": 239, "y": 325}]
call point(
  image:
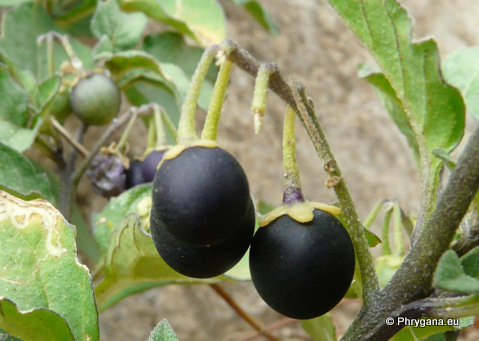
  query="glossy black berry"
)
[
  {"x": 96, "y": 99},
  {"x": 150, "y": 163},
  {"x": 302, "y": 270},
  {"x": 203, "y": 262},
  {"x": 134, "y": 175},
  {"x": 201, "y": 195}
]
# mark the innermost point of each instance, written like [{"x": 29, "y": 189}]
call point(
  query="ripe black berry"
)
[
  {"x": 201, "y": 195},
  {"x": 203, "y": 262},
  {"x": 134, "y": 176},
  {"x": 302, "y": 270},
  {"x": 150, "y": 163},
  {"x": 96, "y": 99}
]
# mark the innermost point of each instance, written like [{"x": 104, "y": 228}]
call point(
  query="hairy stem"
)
[
  {"x": 292, "y": 183},
  {"x": 187, "y": 126},
  {"x": 413, "y": 279},
  {"x": 277, "y": 84},
  {"x": 210, "y": 128}
]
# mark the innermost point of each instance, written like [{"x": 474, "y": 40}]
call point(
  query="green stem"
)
[
  {"x": 50, "y": 60},
  {"x": 292, "y": 184},
  {"x": 386, "y": 247},
  {"x": 187, "y": 126},
  {"x": 63, "y": 40},
  {"x": 169, "y": 125},
  {"x": 128, "y": 130},
  {"x": 160, "y": 131},
  {"x": 259, "y": 95},
  {"x": 355, "y": 228},
  {"x": 210, "y": 129},
  {"x": 398, "y": 230},
  {"x": 374, "y": 213}
]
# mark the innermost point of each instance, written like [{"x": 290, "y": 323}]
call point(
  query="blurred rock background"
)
[{"x": 316, "y": 48}]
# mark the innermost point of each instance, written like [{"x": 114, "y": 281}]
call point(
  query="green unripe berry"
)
[{"x": 96, "y": 99}]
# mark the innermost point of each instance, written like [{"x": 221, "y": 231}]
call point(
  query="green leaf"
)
[
  {"x": 14, "y": 99},
  {"x": 202, "y": 21},
  {"x": 461, "y": 69},
  {"x": 393, "y": 105},
  {"x": 450, "y": 275},
  {"x": 470, "y": 262},
  {"x": 171, "y": 48},
  {"x": 21, "y": 178},
  {"x": 34, "y": 324},
  {"x": 132, "y": 264},
  {"x": 144, "y": 92},
  {"x": 320, "y": 328},
  {"x": 121, "y": 62},
  {"x": 163, "y": 332},
  {"x": 411, "y": 333},
  {"x": 84, "y": 239},
  {"x": 19, "y": 139},
  {"x": 435, "y": 110},
  {"x": 4, "y": 336},
  {"x": 260, "y": 14},
  {"x": 123, "y": 29},
  {"x": 47, "y": 90},
  {"x": 40, "y": 268},
  {"x": 21, "y": 27},
  {"x": 103, "y": 47},
  {"x": 118, "y": 207}
]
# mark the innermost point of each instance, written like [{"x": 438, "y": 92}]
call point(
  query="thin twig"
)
[
  {"x": 79, "y": 147},
  {"x": 275, "y": 325},
  {"x": 243, "y": 314}
]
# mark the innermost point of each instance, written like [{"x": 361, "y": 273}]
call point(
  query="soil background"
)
[{"x": 316, "y": 48}]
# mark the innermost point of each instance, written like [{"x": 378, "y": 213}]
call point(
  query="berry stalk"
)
[
  {"x": 210, "y": 129},
  {"x": 292, "y": 184},
  {"x": 187, "y": 126}
]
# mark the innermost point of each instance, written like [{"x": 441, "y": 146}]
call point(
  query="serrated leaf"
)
[
  {"x": 257, "y": 11},
  {"x": 14, "y": 99},
  {"x": 20, "y": 177},
  {"x": 434, "y": 109},
  {"x": 20, "y": 29},
  {"x": 203, "y": 21},
  {"x": 461, "y": 69},
  {"x": 450, "y": 275},
  {"x": 132, "y": 264},
  {"x": 40, "y": 268},
  {"x": 163, "y": 332},
  {"x": 118, "y": 207},
  {"x": 33, "y": 324},
  {"x": 123, "y": 29},
  {"x": 320, "y": 328}
]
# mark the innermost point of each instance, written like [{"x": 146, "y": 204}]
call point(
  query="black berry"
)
[
  {"x": 201, "y": 195},
  {"x": 203, "y": 262},
  {"x": 150, "y": 163},
  {"x": 302, "y": 270}
]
